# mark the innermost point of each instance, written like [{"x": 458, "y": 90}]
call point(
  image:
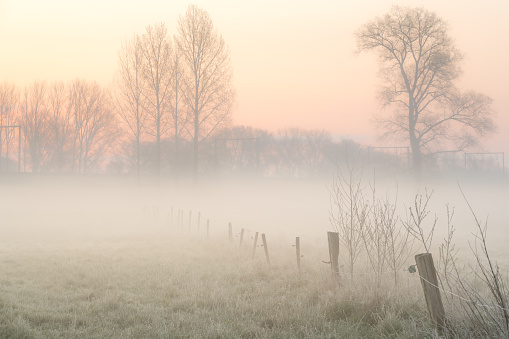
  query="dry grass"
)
[
  {"x": 82, "y": 263},
  {"x": 164, "y": 284}
]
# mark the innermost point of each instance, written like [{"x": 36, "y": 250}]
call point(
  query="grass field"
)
[
  {"x": 170, "y": 285},
  {"x": 117, "y": 268}
]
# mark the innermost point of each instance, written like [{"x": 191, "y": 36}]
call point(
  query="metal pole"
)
[
  {"x": 215, "y": 154},
  {"x": 19, "y": 148},
  {"x": 1, "y": 129},
  {"x": 25, "y": 154},
  {"x": 257, "y": 156}
]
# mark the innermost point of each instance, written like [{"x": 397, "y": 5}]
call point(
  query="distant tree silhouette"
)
[
  {"x": 156, "y": 47},
  {"x": 418, "y": 66},
  {"x": 130, "y": 102},
  {"x": 208, "y": 85}
]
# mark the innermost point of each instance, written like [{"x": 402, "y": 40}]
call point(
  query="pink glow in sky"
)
[{"x": 293, "y": 61}]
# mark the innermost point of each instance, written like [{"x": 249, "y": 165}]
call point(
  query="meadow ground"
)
[
  {"x": 89, "y": 261},
  {"x": 169, "y": 285}
]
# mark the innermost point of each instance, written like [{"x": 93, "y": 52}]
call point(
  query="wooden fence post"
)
[
  {"x": 254, "y": 246},
  {"x": 230, "y": 232},
  {"x": 297, "y": 251},
  {"x": 333, "y": 238},
  {"x": 241, "y": 237},
  {"x": 429, "y": 283},
  {"x": 264, "y": 241}
]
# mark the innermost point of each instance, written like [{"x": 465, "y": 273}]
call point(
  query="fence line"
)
[{"x": 230, "y": 230}]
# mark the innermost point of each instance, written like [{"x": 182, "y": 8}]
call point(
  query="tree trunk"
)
[
  {"x": 176, "y": 159},
  {"x": 416, "y": 154},
  {"x": 158, "y": 149},
  {"x": 138, "y": 154},
  {"x": 196, "y": 139},
  {"x": 414, "y": 141}
]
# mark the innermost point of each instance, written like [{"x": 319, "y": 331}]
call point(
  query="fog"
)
[{"x": 46, "y": 210}]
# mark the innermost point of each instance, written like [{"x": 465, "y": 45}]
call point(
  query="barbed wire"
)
[{"x": 476, "y": 303}]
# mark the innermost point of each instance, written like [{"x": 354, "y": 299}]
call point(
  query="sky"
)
[{"x": 293, "y": 61}]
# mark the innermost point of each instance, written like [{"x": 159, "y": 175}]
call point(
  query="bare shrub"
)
[
  {"x": 415, "y": 220},
  {"x": 477, "y": 292},
  {"x": 349, "y": 210},
  {"x": 368, "y": 227}
]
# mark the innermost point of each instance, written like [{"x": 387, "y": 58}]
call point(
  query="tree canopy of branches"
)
[
  {"x": 95, "y": 128},
  {"x": 418, "y": 66},
  {"x": 67, "y": 127},
  {"x": 34, "y": 119},
  {"x": 156, "y": 47},
  {"x": 9, "y": 100},
  {"x": 208, "y": 76},
  {"x": 129, "y": 100}
]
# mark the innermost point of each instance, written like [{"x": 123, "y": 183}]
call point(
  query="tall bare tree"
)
[
  {"x": 129, "y": 99},
  {"x": 209, "y": 90},
  {"x": 418, "y": 66},
  {"x": 179, "y": 111},
  {"x": 156, "y": 47}
]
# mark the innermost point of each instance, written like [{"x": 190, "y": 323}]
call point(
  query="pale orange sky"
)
[{"x": 293, "y": 61}]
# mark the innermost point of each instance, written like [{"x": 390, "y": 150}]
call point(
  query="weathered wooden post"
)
[
  {"x": 429, "y": 283},
  {"x": 333, "y": 238},
  {"x": 254, "y": 246},
  {"x": 264, "y": 241},
  {"x": 230, "y": 232},
  {"x": 241, "y": 237},
  {"x": 297, "y": 251}
]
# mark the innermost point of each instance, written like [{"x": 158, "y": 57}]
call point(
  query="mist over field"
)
[
  {"x": 99, "y": 244},
  {"x": 52, "y": 208},
  {"x": 253, "y": 170}
]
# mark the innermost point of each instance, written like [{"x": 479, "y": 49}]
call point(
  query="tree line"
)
[
  {"x": 165, "y": 87},
  {"x": 171, "y": 104}
]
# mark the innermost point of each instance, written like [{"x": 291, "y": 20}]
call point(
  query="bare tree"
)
[
  {"x": 418, "y": 65},
  {"x": 35, "y": 122},
  {"x": 156, "y": 47},
  {"x": 291, "y": 146},
  {"x": 60, "y": 128},
  {"x": 129, "y": 99},
  {"x": 9, "y": 97},
  {"x": 179, "y": 111},
  {"x": 316, "y": 144},
  {"x": 209, "y": 90},
  {"x": 94, "y": 124}
]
